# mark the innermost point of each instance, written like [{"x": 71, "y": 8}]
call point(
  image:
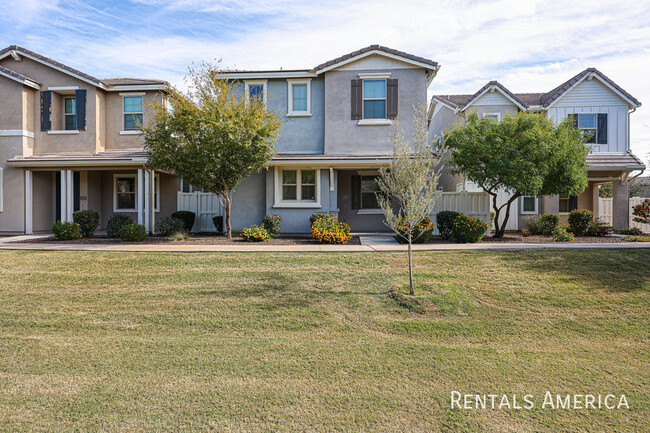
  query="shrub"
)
[
  {"x": 421, "y": 232},
  {"x": 579, "y": 220},
  {"x": 542, "y": 224},
  {"x": 168, "y": 226},
  {"x": 132, "y": 233},
  {"x": 272, "y": 224},
  {"x": 445, "y": 220},
  {"x": 66, "y": 231},
  {"x": 187, "y": 217},
  {"x": 179, "y": 236},
  {"x": 599, "y": 227},
  {"x": 316, "y": 216},
  {"x": 525, "y": 233},
  {"x": 88, "y": 221},
  {"x": 255, "y": 234},
  {"x": 641, "y": 212},
  {"x": 330, "y": 231},
  {"x": 218, "y": 223},
  {"x": 633, "y": 231},
  {"x": 116, "y": 222},
  {"x": 637, "y": 238},
  {"x": 468, "y": 229},
  {"x": 561, "y": 234}
]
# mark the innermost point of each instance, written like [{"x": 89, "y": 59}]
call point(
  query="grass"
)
[{"x": 312, "y": 342}]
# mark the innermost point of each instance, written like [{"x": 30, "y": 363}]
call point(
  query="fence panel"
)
[
  {"x": 633, "y": 202},
  {"x": 606, "y": 212},
  {"x": 469, "y": 203},
  {"x": 205, "y": 205}
]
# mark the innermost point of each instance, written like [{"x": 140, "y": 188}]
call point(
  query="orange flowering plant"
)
[
  {"x": 255, "y": 233},
  {"x": 330, "y": 231}
]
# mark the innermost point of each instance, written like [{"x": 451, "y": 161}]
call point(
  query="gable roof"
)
[
  {"x": 493, "y": 86},
  {"x": 131, "y": 81},
  {"x": 376, "y": 49},
  {"x": 19, "y": 78}
]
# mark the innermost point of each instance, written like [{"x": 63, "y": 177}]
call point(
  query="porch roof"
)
[
  {"x": 100, "y": 159},
  {"x": 331, "y": 160},
  {"x": 604, "y": 162}
]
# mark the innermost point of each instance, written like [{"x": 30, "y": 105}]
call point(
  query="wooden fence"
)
[
  {"x": 606, "y": 211},
  {"x": 205, "y": 205}
]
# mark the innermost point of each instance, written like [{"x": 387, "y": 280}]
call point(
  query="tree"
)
[
  {"x": 212, "y": 137},
  {"x": 523, "y": 154},
  {"x": 408, "y": 184},
  {"x": 641, "y": 212}
]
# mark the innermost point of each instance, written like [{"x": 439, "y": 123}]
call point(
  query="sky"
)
[{"x": 529, "y": 46}]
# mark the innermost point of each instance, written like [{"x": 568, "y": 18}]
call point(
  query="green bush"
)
[
  {"x": 634, "y": 231},
  {"x": 218, "y": 223},
  {"x": 132, "y": 233},
  {"x": 637, "y": 238},
  {"x": 445, "y": 220},
  {"x": 272, "y": 224},
  {"x": 168, "y": 226},
  {"x": 542, "y": 224},
  {"x": 187, "y": 217},
  {"x": 88, "y": 221},
  {"x": 330, "y": 231},
  {"x": 561, "y": 234},
  {"x": 579, "y": 220},
  {"x": 599, "y": 227},
  {"x": 468, "y": 229},
  {"x": 318, "y": 215},
  {"x": 421, "y": 232},
  {"x": 115, "y": 223},
  {"x": 255, "y": 234},
  {"x": 65, "y": 231}
]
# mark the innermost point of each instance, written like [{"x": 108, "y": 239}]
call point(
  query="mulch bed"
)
[
  {"x": 195, "y": 239},
  {"x": 518, "y": 238}
]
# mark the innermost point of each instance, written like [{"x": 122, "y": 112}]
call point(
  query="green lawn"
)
[{"x": 311, "y": 342}]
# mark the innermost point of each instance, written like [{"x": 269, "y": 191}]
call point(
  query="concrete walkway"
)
[{"x": 375, "y": 244}]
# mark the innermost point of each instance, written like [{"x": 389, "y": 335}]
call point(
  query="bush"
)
[
  {"x": 255, "y": 234},
  {"x": 132, "y": 233},
  {"x": 579, "y": 220},
  {"x": 272, "y": 224},
  {"x": 421, "y": 232},
  {"x": 168, "y": 226},
  {"x": 330, "y": 231},
  {"x": 218, "y": 223},
  {"x": 641, "y": 212},
  {"x": 634, "y": 231},
  {"x": 187, "y": 217},
  {"x": 179, "y": 236},
  {"x": 561, "y": 234},
  {"x": 445, "y": 220},
  {"x": 542, "y": 224},
  {"x": 599, "y": 227},
  {"x": 65, "y": 231},
  {"x": 318, "y": 215},
  {"x": 637, "y": 238},
  {"x": 115, "y": 223},
  {"x": 525, "y": 233},
  {"x": 88, "y": 221},
  {"x": 468, "y": 229}
]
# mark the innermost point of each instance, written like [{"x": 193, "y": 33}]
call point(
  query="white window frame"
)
[
  {"x": 135, "y": 176},
  {"x": 374, "y": 120},
  {"x": 248, "y": 83},
  {"x": 498, "y": 115},
  {"x": 74, "y": 98},
  {"x": 182, "y": 185},
  {"x": 125, "y": 131},
  {"x": 290, "y": 111},
  {"x": 534, "y": 212},
  {"x": 595, "y": 137},
  {"x": 298, "y": 203}
]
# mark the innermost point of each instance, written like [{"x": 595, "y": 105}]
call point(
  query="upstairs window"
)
[
  {"x": 132, "y": 113},
  {"x": 492, "y": 117},
  {"x": 374, "y": 99},
  {"x": 299, "y": 98},
  {"x": 255, "y": 91},
  {"x": 594, "y": 124},
  {"x": 69, "y": 114}
]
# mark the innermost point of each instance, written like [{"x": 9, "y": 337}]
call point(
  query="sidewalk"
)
[{"x": 369, "y": 244}]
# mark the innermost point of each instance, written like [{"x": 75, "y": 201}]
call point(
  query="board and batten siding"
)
[{"x": 592, "y": 96}]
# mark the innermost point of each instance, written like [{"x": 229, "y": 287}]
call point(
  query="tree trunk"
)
[
  {"x": 412, "y": 289},
  {"x": 228, "y": 201},
  {"x": 497, "y": 211},
  {"x": 500, "y": 230}
]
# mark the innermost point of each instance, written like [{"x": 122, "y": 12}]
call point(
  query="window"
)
[
  {"x": 156, "y": 193},
  {"x": 132, "y": 113},
  {"x": 255, "y": 90},
  {"x": 374, "y": 99},
  {"x": 369, "y": 190},
  {"x": 69, "y": 114},
  {"x": 529, "y": 204},
  {"x": 587, "y": 123},
  {"x": 567, "y": 204},
  {"x": 125, "y": 193},
  {"x": 297, "y": 188},
  {"x": 492, "y": 117},
  {"x": 593, "y": 124},
  {"x": 299, "y": 98},
  {"x": 185, "y": 187}
]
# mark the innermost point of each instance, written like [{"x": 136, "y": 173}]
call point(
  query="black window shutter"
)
[
  {"x": 573, "y": 203},
  {"x": 356, "y": 99},
  {"x": 602, "y": 128},
  {"x": 46, "y": 110},
  {"x": 80, "y": 100},
  {"x": 355, "y": 186},
  {"x": 391, "y": 98}
]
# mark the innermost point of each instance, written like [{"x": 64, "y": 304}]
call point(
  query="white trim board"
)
[
  {"x": 16, "y": 133},
  {"x": 380, "y": 53},
  {"x": 590, "y": 76}
]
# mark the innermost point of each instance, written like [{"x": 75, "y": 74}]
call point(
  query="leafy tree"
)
[
  {"x": 523, "y": 154},
  {"x": 409, "y": 183},
  {"x": 211, "y": 137},
  {"x": 606, "y": 190}
]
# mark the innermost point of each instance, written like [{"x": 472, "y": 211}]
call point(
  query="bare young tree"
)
[{"x": 408, "y": 184}]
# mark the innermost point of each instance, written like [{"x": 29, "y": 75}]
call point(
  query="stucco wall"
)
[
  {"x": 13, "y": 187},
  {"x": 12, "y": 104},
  {"x": 114, "y": 122},
  {"x": 249, "y": 202}
]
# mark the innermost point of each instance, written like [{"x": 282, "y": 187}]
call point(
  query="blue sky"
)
[{"x": 526, "y": 45}]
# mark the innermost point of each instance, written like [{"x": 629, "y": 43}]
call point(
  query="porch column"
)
[
  {"x": 64, "y": 196},
  {"x": 140, "y": 196},
  {"x": 595, "y": 205},
  {"x": 621, "y": 205},
  {"x": 152, "y": 198},
  {"x": 147, "y": 200},
  {"x": 29, "y": 202},
  {"x": 69, "y": 184}
]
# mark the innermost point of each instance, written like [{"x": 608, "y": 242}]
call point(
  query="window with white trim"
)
[
  {"x": 299, "y": 98},
  {"x": 529, "y": 204},
  {"x": 132, "y": 112},
  {"x": 70, "y": 113},
  {"x": 492, "y": 117},
  {"x": 255, "y": 90},
  {"x": 297, "y": 187},
  {"x": 374, "y": 99},
  {"x": 125, "y": 191}
]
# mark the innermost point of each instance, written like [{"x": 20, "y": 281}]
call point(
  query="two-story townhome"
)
[
  {"x": 595, "y": 103},
  {"x": 71, "y": 141}
]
